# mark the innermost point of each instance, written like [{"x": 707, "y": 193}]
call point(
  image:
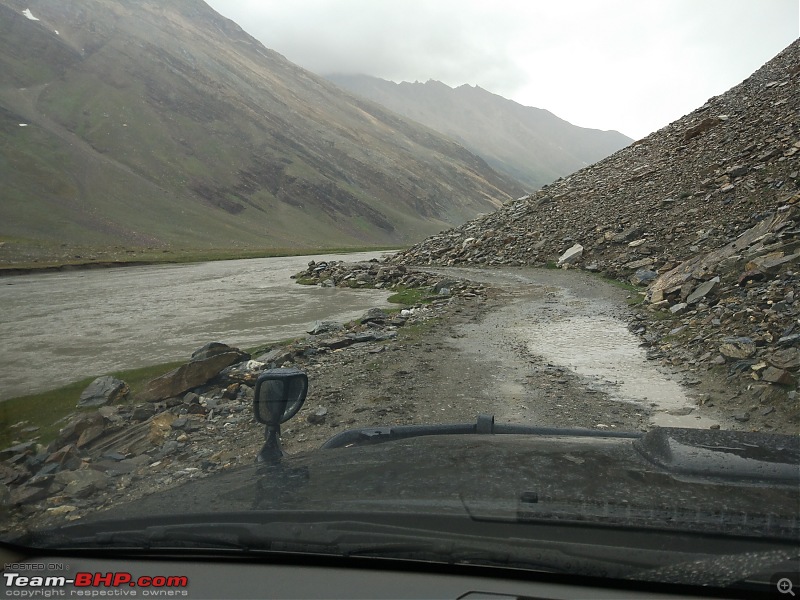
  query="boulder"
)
[
  {"x": 318, "y": 416},
  {"x": 374, "y": 315},
  {"x": 778, "y": 376},
  {"x": 571, "y": 256},
  {"x": 678, "y": 309},
  {"x": 213, "y": 349},
  {"x": 737, "y": 348},
  {"x": 67, "y": 457},
  {"x": 25, "y": 495},
  {"x": 275, "y": 357},
  {"x": 788, "y": 358},
  {"x": 18, "y": 449},
  {"x": 160, "y": 427},
  {"x": 643, "y": 276},
  {"x": 701, "y": 127},
  {"x": 103, "y": 390},
  {"x": 73, "y": 431},
  {"x": 702, "y": 290},
  {"x": 321, "y": 327},
  {"x": 82, "y": 483},
  {"x": 195, "y": 373}
]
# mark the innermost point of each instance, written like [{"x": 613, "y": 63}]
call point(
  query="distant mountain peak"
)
[{"x": 530, "y": 144}]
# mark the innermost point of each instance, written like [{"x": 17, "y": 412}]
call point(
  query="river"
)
[{"x": 57, "y": 328}]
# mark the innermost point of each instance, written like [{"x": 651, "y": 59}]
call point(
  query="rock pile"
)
[
  {"x": 380, "y": 275},
  {"x": 662, "y": 199},
  {"x": 141, "y": 444},
  {"x": 703, "y": 212}
]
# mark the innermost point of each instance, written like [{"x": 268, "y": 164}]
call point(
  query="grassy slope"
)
[{"x": 168, "y": 127}]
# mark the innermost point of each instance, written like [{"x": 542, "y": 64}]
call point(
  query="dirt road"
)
[{"x": 549, "y": 348}]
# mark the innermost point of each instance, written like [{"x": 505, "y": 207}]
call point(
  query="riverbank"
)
[
  {"x": 24, "y": 258},
  {"x": 60, "y": 328}
]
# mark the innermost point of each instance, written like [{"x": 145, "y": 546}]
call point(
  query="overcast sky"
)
[{"x": 629, "y": 65}]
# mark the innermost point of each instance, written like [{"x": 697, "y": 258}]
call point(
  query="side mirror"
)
[{"x": 279, "y": 394}]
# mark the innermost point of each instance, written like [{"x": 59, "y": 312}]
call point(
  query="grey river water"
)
[{"x": 60, "y": 327}]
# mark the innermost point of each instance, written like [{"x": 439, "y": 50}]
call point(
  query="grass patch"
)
[
  {"x": 409, "y": 296},
  {"x": 660, "y": 315},
  {"x": 44, "y": 410},
  {"x": 551, "y": 264},
  {"x": 47, "y": 410},
  {"x": 636, "y": 299},
  {"x": 411, "y": 333},
  {"x": 624, "y": 285},
  {"x": 637, "y": 296}
]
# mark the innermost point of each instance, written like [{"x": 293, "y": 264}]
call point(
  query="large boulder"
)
[
  {"x": 212, "y": 349},
  {"x": 572, "y": 255},
  {"x": 103, "y": 390},
  {"x": 206, "y": 364},
  {"x": 82, "y": 483},
  {"x": 84, "y": 428}
]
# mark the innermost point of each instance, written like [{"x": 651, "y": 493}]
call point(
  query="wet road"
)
[
  {"x": 60, "y": 327},
  {"x": 569, "y": 320}
]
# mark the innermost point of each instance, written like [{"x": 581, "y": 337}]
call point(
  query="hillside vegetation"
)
[{"x": 164, "y": 125}]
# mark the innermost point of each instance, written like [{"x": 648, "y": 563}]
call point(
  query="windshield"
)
[{"x": 264, "y": 292}]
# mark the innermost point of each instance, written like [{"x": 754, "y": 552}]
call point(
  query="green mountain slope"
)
[
  {"x": 530, "y": 144},
  {"x": 140, "y": 123}
]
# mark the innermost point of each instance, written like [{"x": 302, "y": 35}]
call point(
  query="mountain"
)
[
  {"x": 530, "y": 144},
  {"x": 694, "y": 185},
  {"x": 144, "y": 123},
  {"x": 703, "y": 216}
]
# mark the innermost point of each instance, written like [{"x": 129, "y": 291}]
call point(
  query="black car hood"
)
[{"x": 732, "y": 482}]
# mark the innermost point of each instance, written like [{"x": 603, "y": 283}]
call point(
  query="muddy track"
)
[{"x": 544, "y": 348}]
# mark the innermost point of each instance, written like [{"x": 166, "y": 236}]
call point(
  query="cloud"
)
[{"x": 631, "y": 65}]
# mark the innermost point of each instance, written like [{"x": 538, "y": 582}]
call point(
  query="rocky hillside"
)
[
  {"x": 164, "y": 124},
  {"x": 701, "y": 214},
  {"x": 530, "y": 144}
]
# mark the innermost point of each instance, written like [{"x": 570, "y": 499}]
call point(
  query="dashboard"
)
[{"x": 81, "y": 577}]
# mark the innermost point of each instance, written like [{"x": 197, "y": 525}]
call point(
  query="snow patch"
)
[
  {"x": 23, "y": 124},
  {"x": 56, "y": 31},
  {"x": 27, "y": 12}
]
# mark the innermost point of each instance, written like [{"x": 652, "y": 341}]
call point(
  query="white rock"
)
[{"x": 571, "y": 255}]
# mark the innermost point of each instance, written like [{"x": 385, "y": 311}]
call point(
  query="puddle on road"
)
[{"x": 605, "y": 352}]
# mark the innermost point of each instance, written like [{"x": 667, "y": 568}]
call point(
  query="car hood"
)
[{"x": 732, "y": 482}]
